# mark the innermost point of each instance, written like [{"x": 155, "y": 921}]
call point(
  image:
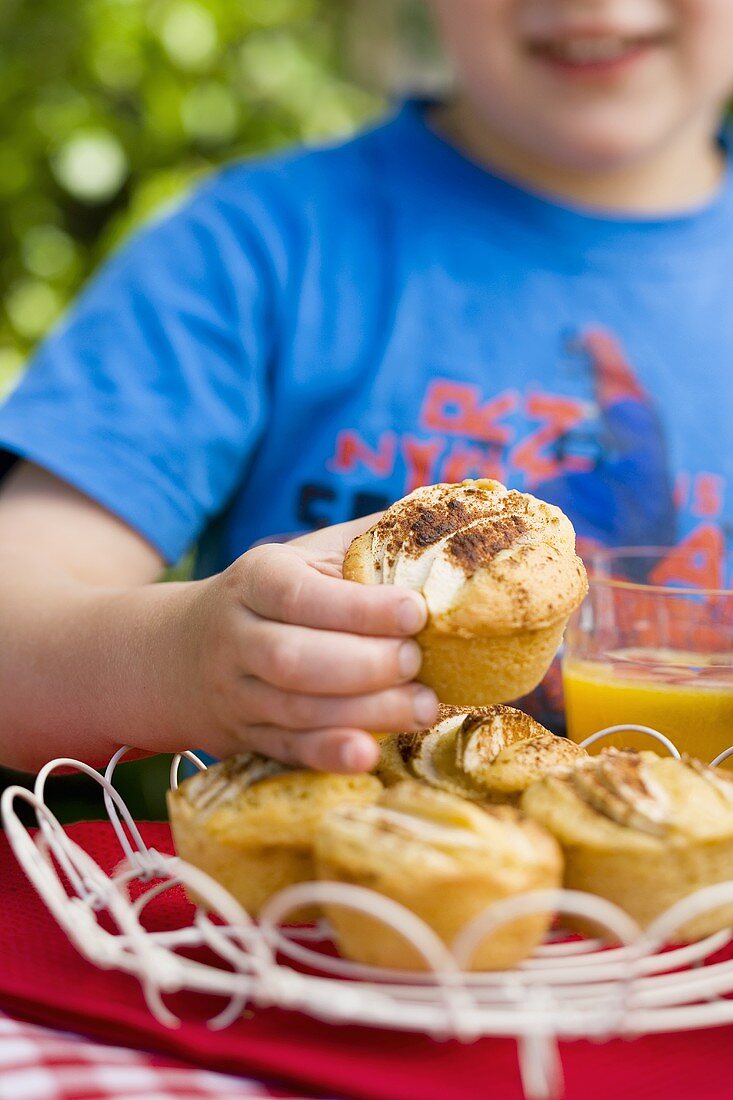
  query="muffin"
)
[
  {"x": 500, "y": 577},
  {"x": 641, "y": 830},
  {"x": 249, "y": 822},
  {"x": 443, "y": 858},
  {"x": 485, "y": 754}
]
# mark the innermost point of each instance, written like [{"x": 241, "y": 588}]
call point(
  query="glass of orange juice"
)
[{"x": 652, "y": 645}]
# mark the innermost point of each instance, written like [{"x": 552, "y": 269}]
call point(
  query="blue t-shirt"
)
[{"x": 311, "y": 336}]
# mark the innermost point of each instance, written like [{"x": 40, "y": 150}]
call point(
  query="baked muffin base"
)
[
  {"x": 250, "y": 874},
  {"x": 257, "y": 838},
  {"x": 446, "y": 906},
  {"x": 479, "y": 671},
  {"x": 646, "y": 884}
]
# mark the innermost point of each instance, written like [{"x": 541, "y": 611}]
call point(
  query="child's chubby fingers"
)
[
  {"x": 408, "y": 708},
  {"x": 327, "y": 750},
  {"x": 277, "y": 583},
  {"x": 325, "y": 662}
]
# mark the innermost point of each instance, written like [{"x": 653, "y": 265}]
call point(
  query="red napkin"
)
[{"x": 44, "y": 979}]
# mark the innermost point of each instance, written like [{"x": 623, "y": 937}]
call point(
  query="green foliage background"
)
[{"x": 112, "y": 108}]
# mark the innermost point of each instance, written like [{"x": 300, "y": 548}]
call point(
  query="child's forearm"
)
[
  {"x": 277, "y": 654},
  {"x": 85, "y": 669}
]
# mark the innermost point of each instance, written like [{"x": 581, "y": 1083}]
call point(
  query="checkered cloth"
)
[{"x": 37, "y": 1063}]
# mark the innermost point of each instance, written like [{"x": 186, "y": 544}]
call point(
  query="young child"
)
[{"x": 531, "y": 281}]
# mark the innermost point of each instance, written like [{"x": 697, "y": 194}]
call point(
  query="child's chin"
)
[{"x": 599, "y": 148}]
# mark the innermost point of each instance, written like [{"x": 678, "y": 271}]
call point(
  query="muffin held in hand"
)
[
  {"x": 249, "y": 822},
  {"x": 486, "y": 754},
  {"x": 444, "y": 859},
  {"x": 641, "y": 830},
  {"x": 500, "y": 576}
]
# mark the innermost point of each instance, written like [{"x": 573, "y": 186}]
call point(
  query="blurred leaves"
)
[{"x": 112, "y": 108}]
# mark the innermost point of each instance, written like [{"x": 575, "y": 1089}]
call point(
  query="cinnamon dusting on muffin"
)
[
  {"x": 432, "y": 524},
  {"x": 459, "y": 752},
  {"x": 490, "y": 563},
  {"x": 474, "y": 546},
  {"x": 411, "y": 532},
  {"x": 223, "y": 782},
  {"x": 479, "y": 741},
  {"x": 619, "y": 785},
  {"x": 547, "y": 754},
  {"x": 408, "y": 744}
]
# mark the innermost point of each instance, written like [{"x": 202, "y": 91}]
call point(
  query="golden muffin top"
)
[
  {"x": 481, "y": 753},
  {"x": 430, "y": 830},
  {"x": 487, "y": 559},
  {"x": 250, "y": 799},
  {"x": 624, "y": 798}
]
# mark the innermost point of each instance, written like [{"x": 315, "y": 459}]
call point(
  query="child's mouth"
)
[{"x": 596, "y": 54}]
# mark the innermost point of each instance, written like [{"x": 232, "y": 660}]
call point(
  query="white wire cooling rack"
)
[{"x": 630, "y": 982}]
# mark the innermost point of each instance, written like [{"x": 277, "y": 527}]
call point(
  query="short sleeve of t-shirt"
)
[{"x": 150, "y": 396}]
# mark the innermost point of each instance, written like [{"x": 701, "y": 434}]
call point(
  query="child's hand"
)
[
  {"x": 278, "y": 653},
  {"x": 295, "y": 662}
]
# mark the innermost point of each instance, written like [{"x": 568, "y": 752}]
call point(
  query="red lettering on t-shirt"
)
[
  {"x": 421, "y": 457},
  {"x": 352, "y": 451},
  {"x": 707, "y": 496},
  {"x": 532, "y": 456},
  {"x": 456, "y": 408},
  {"x": 698, "y": 560},
  {"x": 464, "y": 461},
  {"x": 700, "y": 623}
]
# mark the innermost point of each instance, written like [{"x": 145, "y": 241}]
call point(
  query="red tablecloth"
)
[{"x": 44, "y": 979}]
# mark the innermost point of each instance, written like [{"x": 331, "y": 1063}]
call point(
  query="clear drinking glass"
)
[{"x": 652, "y": 645}]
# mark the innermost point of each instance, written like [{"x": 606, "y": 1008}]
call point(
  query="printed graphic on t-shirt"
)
[{"x": 604, "y": 460}]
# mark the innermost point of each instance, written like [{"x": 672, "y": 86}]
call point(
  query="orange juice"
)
[{"x": 687, "y": 696}]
